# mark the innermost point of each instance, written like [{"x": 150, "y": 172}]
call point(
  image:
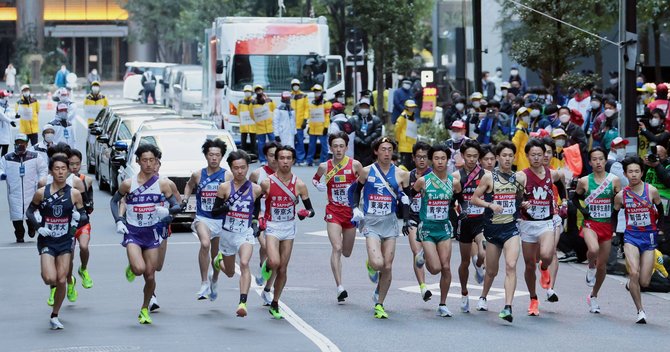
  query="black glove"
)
[
  {"x": 407, "y": 225},
  {"x": 17, "y": 116},
  {"x": 13, "y": 124},
  {"x": 183, "y": 204},
  {"x": 254, "y": 227},
  {"x": 277, "y": 139}
]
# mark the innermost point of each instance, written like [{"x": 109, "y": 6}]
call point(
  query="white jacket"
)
[
  {"x": 64, "y": 126},
  {"x": 335, "y": 127},
  {"x": 284, "y": 124},
  {"x": 6, "y": 117},
  {"x": 21, "y": 189},
  {"x": 41, "y": 148}
]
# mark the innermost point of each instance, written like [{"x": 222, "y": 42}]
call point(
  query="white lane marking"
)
[
  {"x": 494, "y": 293},
  {"x": 324, "y": 233}
]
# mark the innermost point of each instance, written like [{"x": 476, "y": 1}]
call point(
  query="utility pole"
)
[
  {"x": 477, "y": 47},
  {"x": 628, "y": 69}
]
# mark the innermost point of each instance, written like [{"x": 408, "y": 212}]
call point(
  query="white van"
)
[
  {"x": 132, "y": 80},
  {"x": 188, "y": 92}
]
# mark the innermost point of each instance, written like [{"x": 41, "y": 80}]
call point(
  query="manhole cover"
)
[{"x": 92, "y": 349}]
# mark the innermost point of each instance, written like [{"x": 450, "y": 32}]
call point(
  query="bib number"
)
[
  {"x": 316, "y": 115},
  {"x": 245, "y": 118},
  {"x": 437, "y": 210},
  {"x": 236, "y": 222},
  {"x": 411, "y": 129},
  {"x": 379, "y": 205},
  {"x": 26, "y": 113},
  {"x": 639, "y": 219},
  {"x": 262, "y": 113}
]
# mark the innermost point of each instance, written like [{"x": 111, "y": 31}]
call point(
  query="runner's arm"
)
[
  {"x": 116, "y": 199},
  {"x": 580, "y": 195},
  {"x": 221, "y": 207},
  {"x": 483, "y": 187},
  {"x": 78, "y": 200},
  {"x": 33, "y": 207},
  {"x": 190, "y": 185},
  {"x": 88, "y": 198},
  {"x": 656, "y": 199}
]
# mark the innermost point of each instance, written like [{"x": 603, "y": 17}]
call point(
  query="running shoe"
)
[
  {"x": 593, "y": 304},
  {"x": 204, "y": 291},
  {"x": 375, "y": 295},
  {"x": 506, "y": 314},
  {"x": 144, "y": 317},
  {"x": 591, "y": 277},
  {"x": 465, "y": 304},
  {"x": 130, "y": 275},
  {"x": 419, "y": 260},
  {"x": 267, "y": 298},
  {"x": 443, "y": 311},
  {"x": 72, "y": 290},
  {"x": 534, "y": 308},
  {"x": 341, "y": 295},
  {"x": 217, "y": 261},
  {"x": 86, "y": 281},
  {"x": 212, "y": 290},
  {"x": 570, "y": 256},
  {"x": 275, "y": 313},
  {"x": 545, "y": 277},
  {"x": 50, "y": 300},
  {"x": 259, "y": 277},
  {"x": 425, "y": 293},
  {"x": 153, "y": 303},
  {"x": 241, "y": 310},
  {"x": 380, "y": 313},
  {"x": 641, "y": 317},
  {"x": 373, "y": 275},
  {"x": 482, "y": 305},
  {"x": 479, "y": 273},
  {"x": 552, "y": 296},
  {"x": 56, "y": 324},
  {"x": 265, "y": 272}
]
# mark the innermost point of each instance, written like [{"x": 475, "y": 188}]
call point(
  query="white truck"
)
[{"x": 268, "y": 51}]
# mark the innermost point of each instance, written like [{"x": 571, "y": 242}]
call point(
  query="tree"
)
[
  {"x": 157, "y": 23},
  {"x": 546, "y": 46},
  {"x": 654, "y": 13}
]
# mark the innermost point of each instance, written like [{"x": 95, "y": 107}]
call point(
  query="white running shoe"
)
[
  {"x": 552, "y": 296},
  {"x": 641, "y": 317},
  {"x": 153, "y": 303},
  {"x": 425, "y": 293},
  {"x": 267, "y": 298},
  {"x": 465, "y": 304},
  {"x": 443, "y": 311},
  {"x": 204, "y": 291},
  {"x": 482, "y": 305},
  {"x": 56, "y": 324},
  {"x": 591, "y": 277},
  {"x": 213, "y": 295},
  {"x": 593, "y": 304}
]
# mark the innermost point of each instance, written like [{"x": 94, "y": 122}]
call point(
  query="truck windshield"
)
[{"x": 273, "y": 72}]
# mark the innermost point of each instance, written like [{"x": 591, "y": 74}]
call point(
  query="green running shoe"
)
[
  {"x": 86, "y": 281},
  {"x": 217, "y": 261},
  {"x": 130, "y": 275},
  {"x": 380, "y": 313},
  {"x": 144, "y": 317},
  {"x": 275, "y": 313},
  {"x": 506, "y": 314},
  {"x": 242, "y": 310},
  {"x": 265, "y": 272},
  {"x": 373, "y": 275},
  {"x": 50, "y": 301},
  {"x": 71, "y": 290}
]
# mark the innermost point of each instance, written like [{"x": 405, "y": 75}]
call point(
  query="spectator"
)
[
  {"x": 521, "y": 138},
  {"x": 299, "y": 103},
  {"x": 475, "y": 113},
  {"x": 339, "y": 122},
  {"x": 520, "y": 87},
  {"x": 454, "y": 144},
  {"x": 549, "y": 119},
  {"x": 456, "y": 112},
  {"x": 247, "y": 123},
  {"x": 400, "y": 96},
  {"x": 497, "y": 82},
  {"x": 48, "y": 137},
  {"x": 575, "y": 133},
  {"x": 61, "y": 77},
  {"x": 506, "y": 98},
  {"x": 406, "y": 133},
  {"x": 319, "y": 120},
  {"x": 488, "y": 87},
  {"x": 610, "y": 127},
  {"x": 581, "y": 101},
  {"x": 262, "y": 112},
  {"x": 149, "y": 86},
  {"x": 535, "y": 111},
  {"x": 494, "y": 127},
  {"x": 6, "y": 123},
  {"x": 10, "y": 78},
  {"x": 368, "y": 127},
  {"x": 591, "y": 116},
  {"x": 656, "y": 133},
  {"x": 92, "y": 77},
  {"x": 28, "y": 110},
  {"x": 613, "y": 89},
  {"x": 284, "y": 121},
  {"x": 661, "y": 102}
]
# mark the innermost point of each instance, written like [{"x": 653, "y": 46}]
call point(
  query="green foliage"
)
[
  {"x": 157, "y": 22},
  {"x": 433, "y": 132},
  {"x": 578, "y": 80},
  {"x": 650, "y": 11}
]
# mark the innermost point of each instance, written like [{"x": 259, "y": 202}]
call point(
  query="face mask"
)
[
  {"x": 504, "y": 93},
  {"x": 317, "y": 94},
  {"x": 514, "y": 72},
  {"x": 406, "y": 86},
  {"x": 457, "y": 136},
  {"x": 560, "y": 143},
  {"x": 564, "y": 118},
  {"x": 460, "y": 106},
  {"x": 26, "y": 94},
  {"x": 49, "y": 137},
  {"x": 340, "y": 99},
  {"x": 526, "y": 119},
  {"x": 614, "y": 81},
  {"x": 655, "y": 122},
  {"x": 476, "y": 104},
  {"x": 498, "y": 74},
  {"x": 295, "y": 88},
  {"x": 535, "y": 113},
  {"x": 609, "y": 112},
  {"x": 595, "y": 105},
  {"x": 20, "y": 148},
  {"x": 95, "y": 90},
  {"x": 247, "y": 94},
  {"x": 364, "y": 112},
  {"x": 620, "y": 154}
]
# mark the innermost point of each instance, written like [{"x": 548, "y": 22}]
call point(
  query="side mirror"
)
[
  {"x": 96, "y": 131},
  {"x": 120, "y": 146},
  {"x": 103, "y": 139},
  {"x": 119, "y": 160},
  {"x": 93, "y": 125},
  {"x": 176, "y": 88},
  {"x": 219, "y": 67},
  {"x": 220, "y": 84}
]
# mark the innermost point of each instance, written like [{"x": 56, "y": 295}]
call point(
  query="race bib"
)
[
  {"x": 379, "y": 204},
  {"x": 25, "y": 112},
  {"x": 469, "y": 208},
  {"x": 539, "y": 209},
  {"x": 245, "y": 118},
  {"x": 207, "y": 200},
  {"x": 339, "y": 196},
  {"x": 639, "y": 217},
  {"x": 58, "y": 226},
  {"x": 317, "y": 115},
  {"x": 145, "y": 215},
  {"x": 437, "y": 209},
  {"x": 507, "y": 202},
  {"x": 282, "y": 209},
  {"x": 411, "y": 131},
  {"x": 600, "y": 208},
  {"x": 236, "y": 221},
  {"x": 415, "y": 206},
  {"x": 262, "y": 113}
]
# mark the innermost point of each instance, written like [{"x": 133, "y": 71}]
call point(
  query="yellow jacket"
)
[
  {"x": 318, "y": 122},
  {"x": 405, "y": 133},
  {"x": 262, "y": 114},
  {"x": 519, "y": 140},
  {"x": 29, "y": 119},
  {"x": 300, "y": 103},
  {"x": 92, "y": 106},
  {"x": 244, "y": 112}
]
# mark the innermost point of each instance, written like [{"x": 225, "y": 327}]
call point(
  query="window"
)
[
  {"x": 334, "y": 73},
  {"x": 193, "y": 81},
  {"x": 125, "y": 130}
]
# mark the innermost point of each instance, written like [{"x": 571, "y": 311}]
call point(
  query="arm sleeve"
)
[
  {"x": 30, "y": 215},
  {"x": 83, "y": 217},
  {"x": 308, "y": 205},
  {"x": 257, "y": 207},
  {"x": 560, "y": 187},
  {"x": 89, "y": 199},
  {"x": 661, "y": 215},
  {"x": 174, "y": 205},
  {"x": 357, "y": 194},
  {"x": 221, "y": 208},
  {"x": 114, "y": 207},
  {"x": 576, "y": 200}
]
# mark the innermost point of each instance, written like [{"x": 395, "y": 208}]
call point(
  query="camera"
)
[
  {"x": 653, "y": 154},
  {"x": 490, "y": 112}
]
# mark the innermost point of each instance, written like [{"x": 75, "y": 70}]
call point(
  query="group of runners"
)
[{"x": 484, "y": 205}]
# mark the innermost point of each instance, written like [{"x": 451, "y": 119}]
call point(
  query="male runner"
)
[
  {"x": 83, "y": 234},
  {"x": 502, "y": 199},
  {"x": 560, "y": 212},
  {"x": 60, "y": 210},
  {"x": 420, "y": 159},
  {"x": 537, "y": 224},
  {"x": 487, "y": 159},
  {"x": 435, "y": 232},
  {"x": 644, "y": 216},
  {"x": 340, "y": 172},
  {"x": 238, "y": 201},
  {"x": 471, "y": 220},
  {"x": 597, "y": 190},
  {"x": 381, "y": 184},
  {"x": 144, "y": 220},
  {"x": 283, "y": 190},
  {"x": 206, "y": 226}
]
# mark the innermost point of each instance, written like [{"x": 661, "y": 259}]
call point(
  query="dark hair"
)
[
  {"x": 337, "y": 135},
  {"x": 471, "y": 143},
  {"x": 58, "y": 158},
  {"x": 505, "y": 145},
  {"x": 610, "y": 102},
  {"x": 597, "y": 149},
  {"x": 485, "y": 149},
  {"x": 632, "y": 160},
  {"x": 285, "y": 148},
  {"x": 658, "y": 111},
  {"x": 548, "y": 141},
  {"x": 439, "y": 147},
  {"x": 377, "y": 142},
  {"x": 533, "y": 142},
  {"x": 237, "y": 155},
  {"x": 214, "y": 143},
  {"x": 420, "y": 146},
  {"x": 493, "y": 104},
  {"x": 148, "y": 148},
  {"x": 564, "y": 107},
  {"x": 60, "y": 148},
  {"x": 268, "y": 146},
  {"x": 77, "y": 153}
]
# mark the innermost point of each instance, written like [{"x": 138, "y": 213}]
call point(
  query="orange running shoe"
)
[
  {"x": 545, "y": 277},
  {"x": 534, "y": 308}
]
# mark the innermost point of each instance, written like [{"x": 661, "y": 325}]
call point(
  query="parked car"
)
[
  {"x": 169, "y": 80},
  {"x": 132, "y": 80},
  {"x": 187, "y": 92},
  {"x": 183, "y": 123},
  {"x": 182, "y": 155}
]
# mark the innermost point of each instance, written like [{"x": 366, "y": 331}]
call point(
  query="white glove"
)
[
  {"x": 404, "y": 199},
  {"x": 121, "y": 228},
  {"x": 38, "y": 216},
  {"x": 75, "y": 218},
  {"x": 321, "y": 187},
  {"x": 162, "y": 212},
  {"x": 358, "y": 215},
  {"x": 46, "y": 232}
]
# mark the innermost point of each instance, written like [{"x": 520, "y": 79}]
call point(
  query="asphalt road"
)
[{"x": 104, "y": 318}]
